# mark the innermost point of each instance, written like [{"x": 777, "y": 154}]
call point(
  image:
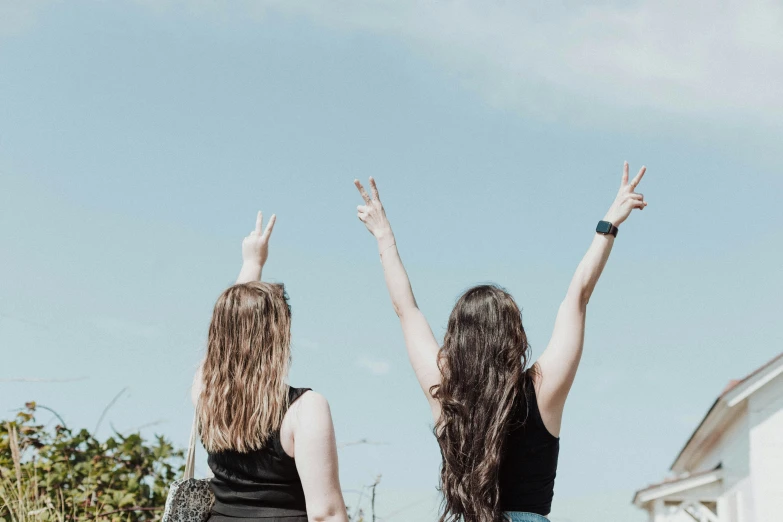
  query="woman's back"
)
[
  {"x": 271, "y": 447},
  {"x": 491, "y": 471},
  {"x": 263, "y": 483},
  {"x": 529, "y": 459}
]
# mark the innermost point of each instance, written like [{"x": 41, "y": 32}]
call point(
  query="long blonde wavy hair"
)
[{"x": 244, "y": 394}]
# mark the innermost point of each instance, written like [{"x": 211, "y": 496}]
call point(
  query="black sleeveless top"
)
[
  {"x": 262, "y": 484},
  {"x": 529, "y": 460}
]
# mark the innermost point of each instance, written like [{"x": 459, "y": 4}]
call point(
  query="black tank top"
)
[
  {"x": 262, "y": 484},
  {"x": 529, "y": 461}
]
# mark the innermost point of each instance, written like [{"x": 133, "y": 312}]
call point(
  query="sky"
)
[{"x": 139, "y": 138}]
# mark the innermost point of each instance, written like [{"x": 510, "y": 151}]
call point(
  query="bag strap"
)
[{"x": 190, "y": 462}]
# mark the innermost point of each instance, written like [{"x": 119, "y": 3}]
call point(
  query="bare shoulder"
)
[
  {"x": 307, "y": 419},
  {"x": 312, "y": 406},
  {"x": 551, "y": 410},
  {"x": 536, "y": 375}
]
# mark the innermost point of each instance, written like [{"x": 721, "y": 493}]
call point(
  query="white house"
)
[{"x": 731, "y": 469}]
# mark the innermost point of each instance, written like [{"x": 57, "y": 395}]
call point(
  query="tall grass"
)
[{"x": 21, "y": 499}]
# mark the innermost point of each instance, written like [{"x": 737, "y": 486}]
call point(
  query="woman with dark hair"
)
[
  {"x": 497, "y": 418},
  {"x": 270, "y": 447}
]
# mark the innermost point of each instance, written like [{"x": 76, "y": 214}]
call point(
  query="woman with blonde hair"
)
[
  {"x": 270, "y": 447},
  {"x": 497, "y": 418}
]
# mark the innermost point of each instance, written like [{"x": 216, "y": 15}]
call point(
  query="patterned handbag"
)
[{"x": 190, "y": 499}]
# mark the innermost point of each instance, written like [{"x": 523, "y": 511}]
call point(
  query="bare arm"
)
[
  {"x": 559, "y": 362},
  {"x": 419, "y": 339},
  {"x": 315, "y": 454}
]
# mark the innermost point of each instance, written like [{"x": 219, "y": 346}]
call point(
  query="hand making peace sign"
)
[
  {"x": 372, "y": 213},
  {"x": 255, "y": 247},
  {"x": 627, "y": 199}
]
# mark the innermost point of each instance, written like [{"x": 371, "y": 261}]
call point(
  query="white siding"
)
[
  {"x": 737, "y": 503},
  {"x": 731, "y": 450},
  {"x": 750, "y": 449},
  {"x": 766, "y": 450}
]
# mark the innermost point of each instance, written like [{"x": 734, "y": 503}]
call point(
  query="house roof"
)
[
  {"x": 676, "y": 484},
  {"x": 734, "y": 393}
]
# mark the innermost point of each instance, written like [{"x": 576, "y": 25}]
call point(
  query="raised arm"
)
[
  {"x": 419, "y": 340},
  {"x": 255, "y": 250},
  {"x": 560, "y": 360}
]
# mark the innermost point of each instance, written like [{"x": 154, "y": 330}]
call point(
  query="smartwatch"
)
[{"x": 605, "y": 227}]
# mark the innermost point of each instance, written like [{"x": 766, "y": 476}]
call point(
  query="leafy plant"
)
[{"x": 60, "y": 475}]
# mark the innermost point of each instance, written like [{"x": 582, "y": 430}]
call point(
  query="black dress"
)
[{"x": 259, "y": 485}]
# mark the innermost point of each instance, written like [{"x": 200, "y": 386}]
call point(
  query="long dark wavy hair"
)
[{"x": 482, "y": 363}]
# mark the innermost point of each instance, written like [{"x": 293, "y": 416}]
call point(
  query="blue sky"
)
[{"x": 138, "y": 139}]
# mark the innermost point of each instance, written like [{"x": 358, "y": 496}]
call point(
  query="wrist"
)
[
  {"x": 386, "y": 245},
  {"x": 250, "y": 271},
  {"x": 385, "y": 237},
  {"x": 252, "y": 264},
  {"x": 614, "y": 220}
]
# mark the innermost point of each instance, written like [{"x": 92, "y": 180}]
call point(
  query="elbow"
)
[
  {"x": 577, "y": 299},
  {"x": 580, "y": 291},
  {"x": 584, "y": 297},
  {"x": 404, "y": 309},
  {"x": 330, "y": 513}
]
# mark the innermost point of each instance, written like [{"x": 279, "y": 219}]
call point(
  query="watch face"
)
[{"x": 603, "y": 227}]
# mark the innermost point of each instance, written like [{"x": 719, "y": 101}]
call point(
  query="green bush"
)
[
  {"x": 56, "y": 475},
  {"x": 60, "y": 475}
]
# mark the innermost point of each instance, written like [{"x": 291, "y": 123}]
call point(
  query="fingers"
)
[
  {"x": 624, "y": 181},
  {"x": 362, "y": 191},
  {"x": 361, "y": 213},
  {"x": 636, "y": 200},
  {"x": 374, "y": 189},
  {"x": 269, "y": 226},
  {"x": 638, "y": 177},
  {"x": 259, "y": 223}
]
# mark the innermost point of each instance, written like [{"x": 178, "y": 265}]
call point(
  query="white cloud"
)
[
  {"x": 578, "y": 61},
  {"x": 374, "y": 366},
  {"x": 19, "y": 15},
  {"x": 585, "y": 61}
]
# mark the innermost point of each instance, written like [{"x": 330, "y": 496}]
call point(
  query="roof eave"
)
[
  {"x": 712, "y": 412},
  {"x": 731, "y": 398},
  {"x": 644, "y": 496}
]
